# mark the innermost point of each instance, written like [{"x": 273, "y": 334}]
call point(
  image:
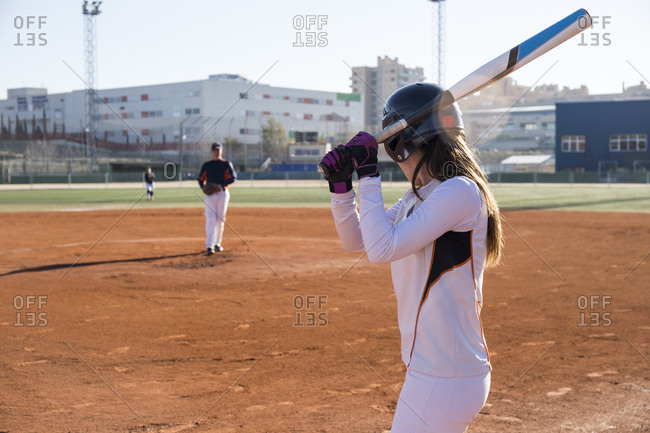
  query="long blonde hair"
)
[{"x": 446, "y": 156}]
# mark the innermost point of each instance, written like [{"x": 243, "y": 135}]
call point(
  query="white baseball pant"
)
[
  {"x": 432, "y": 404},
  {"x": 216, "y": 206}
]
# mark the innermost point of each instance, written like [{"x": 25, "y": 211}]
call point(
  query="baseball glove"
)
[{"x": 211, "y": 188}]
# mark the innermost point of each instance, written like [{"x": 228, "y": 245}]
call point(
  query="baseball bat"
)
[{"x": 494, "y": 70}]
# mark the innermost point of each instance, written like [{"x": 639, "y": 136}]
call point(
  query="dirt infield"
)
[{"x": 145, "y": 333}]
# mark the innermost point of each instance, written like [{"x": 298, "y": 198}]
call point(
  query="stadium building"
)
[
  {"x": 511, "y": 129},
  {"x": 608, "y": 137},
  {"x": 162, "y": 117}
]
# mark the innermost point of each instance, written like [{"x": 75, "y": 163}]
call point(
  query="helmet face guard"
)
[{"x": 405, "y": 102}]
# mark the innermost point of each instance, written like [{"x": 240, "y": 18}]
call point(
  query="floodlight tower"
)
[
  {"x": 439, "y": 40},
  {"x": 90, "y": 13}
]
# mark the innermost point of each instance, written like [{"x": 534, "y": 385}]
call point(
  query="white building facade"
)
[{"x": 198, "y": 112}]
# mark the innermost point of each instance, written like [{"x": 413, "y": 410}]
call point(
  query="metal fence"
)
[
  {"x": 66, "y": 162},
  {"x": 495, "y": 178}
]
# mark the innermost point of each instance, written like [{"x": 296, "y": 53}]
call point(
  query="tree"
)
[
  {"x": 44, "y": 123},
  {"x": 274, "y": 140},
  {"x": 19, "y": 126},
  {"x": 233, "y": 148}
]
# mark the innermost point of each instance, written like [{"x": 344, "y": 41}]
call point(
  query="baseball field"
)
[{"x": 113, "y": 320}]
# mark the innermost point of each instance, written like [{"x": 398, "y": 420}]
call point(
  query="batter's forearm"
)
[{"x": 346, "y": 221}]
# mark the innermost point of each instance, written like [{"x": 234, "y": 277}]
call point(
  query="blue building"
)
[{"x": 602, "y": 136}]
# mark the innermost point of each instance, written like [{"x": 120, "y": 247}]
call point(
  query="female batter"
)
[{"x": 438, "y": 238}]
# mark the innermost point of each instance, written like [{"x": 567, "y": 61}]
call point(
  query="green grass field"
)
[{"x": 620, "y": 198}]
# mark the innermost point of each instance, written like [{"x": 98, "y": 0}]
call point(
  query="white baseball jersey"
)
[{"x": 437, "y": 251}]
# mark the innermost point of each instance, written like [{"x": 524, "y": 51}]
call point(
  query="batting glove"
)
[
  {"x": 340, "y": 169},
  {"x": 363, "y": 148}
]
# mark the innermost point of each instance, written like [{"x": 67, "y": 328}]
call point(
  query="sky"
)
[{"x": 151, "y": 42}]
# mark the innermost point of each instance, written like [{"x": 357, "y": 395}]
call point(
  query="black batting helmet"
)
[{"x": 407, "y": 101}]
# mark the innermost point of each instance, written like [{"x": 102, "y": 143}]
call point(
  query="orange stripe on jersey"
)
[
  {"x": 204, "y": 176},
  {"x": 424, "y": 296},
  {"x": 227, "y": 175},
  {"x": 478, "y": 314},
  {"x": 478, "y": 310}
]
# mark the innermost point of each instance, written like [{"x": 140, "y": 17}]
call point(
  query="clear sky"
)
[{"x": 151, "y": 42}]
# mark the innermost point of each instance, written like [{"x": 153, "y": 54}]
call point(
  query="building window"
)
[
  {"x": 628, "y": 143},
  {"x": 189, "y": 111},
  {"x": 573, "y": 143},
  {"x": 249, "y": 131}
]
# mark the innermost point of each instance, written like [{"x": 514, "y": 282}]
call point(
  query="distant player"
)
[
  {"x": 438, "y": 239},
  {"x": 215, "y": 179},
  {"x": 149, "y": 178}
]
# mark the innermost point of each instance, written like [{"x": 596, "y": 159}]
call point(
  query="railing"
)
[{"x": 639, "y": 177}]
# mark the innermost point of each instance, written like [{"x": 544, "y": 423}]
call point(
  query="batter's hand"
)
[
  {"x": 363, "y": 149},
  {"x": 339, "y": 169}
]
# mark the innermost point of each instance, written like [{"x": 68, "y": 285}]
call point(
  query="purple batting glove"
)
[
  {"x": 363, "y": 148},
  {"x": 340, "y": 169}
]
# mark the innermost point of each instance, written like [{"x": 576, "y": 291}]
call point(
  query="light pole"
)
[
  {"x": 88, "y": 154},
  {"x": 440, "y": 39},
  {"x": 90, "y": 13}
]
